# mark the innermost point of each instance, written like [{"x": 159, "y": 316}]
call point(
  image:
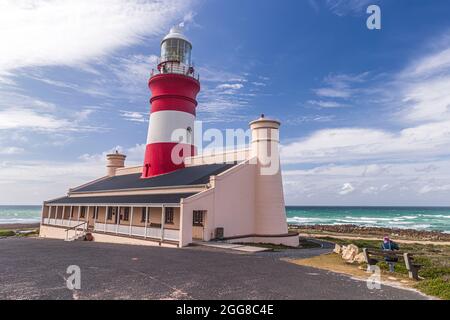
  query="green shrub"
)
[
  {"x": 7, "y": 233},
  {"x": 438, "y": 287}
]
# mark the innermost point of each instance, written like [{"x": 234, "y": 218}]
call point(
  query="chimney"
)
[
  {"x": 114, "y": 161},
  {"x": 265, "y": 134},
  {"x": 270, "y": 212}
]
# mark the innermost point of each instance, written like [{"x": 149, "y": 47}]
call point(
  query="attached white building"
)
[{"x": 235, "y": 197}]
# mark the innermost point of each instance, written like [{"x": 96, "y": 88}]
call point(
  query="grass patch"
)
[
  {"x": 438, "y": 287},
  {"x": 12, "y": 233},
  {"x": 30, "y": 234},
  {"x": 7, "y": 233},
  {"x": 435, "y": 261}
]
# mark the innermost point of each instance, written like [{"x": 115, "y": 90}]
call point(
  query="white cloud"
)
[
  {"x": 32, "y": 182},
  {"x": 424, "y": 87},
  {"x": 341, "y": 85},
  {"x": 11, "y": 150},
  {"x": 134, "y": 116},
  {"x": 422, "y": 93},
  {"x": 404, "y": 183},
  {"x": 333, "y": 93},
  {"x": 132, "y": 73},
  {"x": 304, "y": 119},
  {"x": 432, "y": 64},
  {"x": 259, "y": 84},
  {"x": 135, "y": 155},
  {"x": 346, "y": 144},
  {"x": 222, "y": 93},
  {"x": 345, "y": 7},
  {"x": 73, "y": 32},
  {"x": 41, "y": 180},
  {"x": 347, "y": 188},
  {"x": 21, "y": 118},
  {"x": 326, "y": 104},
  {"x": 233, "y": 86},
  {"x": 209, "y": 74},
  {"x": 29, "y": 119},
  {"x": 428, "y": 188}
]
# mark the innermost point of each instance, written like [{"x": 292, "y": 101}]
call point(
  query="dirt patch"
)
[{"x": 333, "y": 262}]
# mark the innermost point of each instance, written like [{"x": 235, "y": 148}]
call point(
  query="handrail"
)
[
  {"x": 76, "y": 229},
  {"x": 174, "y": 67}
]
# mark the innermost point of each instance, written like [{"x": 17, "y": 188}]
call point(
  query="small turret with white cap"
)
[
  {"x": 270, "y": 211},
  {"x": 114, "y": 161}
]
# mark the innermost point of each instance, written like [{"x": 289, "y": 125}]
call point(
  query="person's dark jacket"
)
[{"x": 390, "y": 246}]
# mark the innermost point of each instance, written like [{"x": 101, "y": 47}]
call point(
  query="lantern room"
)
[{"x": 176, "y": 53}]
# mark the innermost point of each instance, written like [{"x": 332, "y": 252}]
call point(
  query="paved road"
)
[{"x": 35, "y": 269}]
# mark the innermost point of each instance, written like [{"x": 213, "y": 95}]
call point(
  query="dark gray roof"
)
[
  {"x": 112, "y": 200},
  {"x": 184, "y": 177}
]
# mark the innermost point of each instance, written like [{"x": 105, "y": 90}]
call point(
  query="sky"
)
[{"x": 365, "y": 113}]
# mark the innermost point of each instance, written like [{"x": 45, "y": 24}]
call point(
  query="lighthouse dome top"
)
[{"x": 176, "y": 32}]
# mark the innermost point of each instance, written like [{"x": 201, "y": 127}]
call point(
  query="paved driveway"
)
[{"x": 36, "y": 269}]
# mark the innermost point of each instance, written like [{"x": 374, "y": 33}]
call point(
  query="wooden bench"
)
[{"x": 372, "y": 257}]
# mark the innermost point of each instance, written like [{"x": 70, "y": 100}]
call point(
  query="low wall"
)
[
  {"x": 50, "y": 232},
  {"x": 106, "y": 238}
]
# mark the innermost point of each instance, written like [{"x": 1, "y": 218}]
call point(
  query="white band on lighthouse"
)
[{"x": 163, "y": 125}]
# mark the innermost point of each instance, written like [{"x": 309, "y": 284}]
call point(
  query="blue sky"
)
[{"x": 365, "y": 113}]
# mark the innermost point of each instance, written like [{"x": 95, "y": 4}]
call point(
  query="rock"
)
[
  {"x": 337, "y": 249},
  {"x": 350, "y": 252},
  {"x": 360, "y": 258}
]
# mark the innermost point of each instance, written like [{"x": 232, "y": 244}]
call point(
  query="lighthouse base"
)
[{"x": 156, "y": 162}]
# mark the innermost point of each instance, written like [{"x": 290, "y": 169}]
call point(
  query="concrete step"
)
[{"x": 231, "y": 246}]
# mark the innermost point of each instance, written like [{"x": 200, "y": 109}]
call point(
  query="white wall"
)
[
  {"x": 234, "y": 200},
  {"x": 230, "y": 204},
  {"x": 201, "y": 201}
]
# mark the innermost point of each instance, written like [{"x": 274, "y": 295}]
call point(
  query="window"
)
[
  {"x": 176, "y": 50},
  {"x": 126, "y": 214},
  {"x": 83, "y": 212},
  {"x": 96, "y": 209},
  {"x": 144, "y": 213},
  {"x": 111, "y": 211},
  {"x": 189, "y": 135},
  {"x": 169, "y": 216},
  {"x": 197, "y": 218}
]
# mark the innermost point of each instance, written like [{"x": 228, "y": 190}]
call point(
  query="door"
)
[
  {"x": 92, "y": 215},
  {"x": 198, "y": 225}
]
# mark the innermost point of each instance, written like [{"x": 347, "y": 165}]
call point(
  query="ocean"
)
[
  {"x": 431, "y": 219},
  {"x": 20, "y": 214},
  {"x": 417, "y": 218}
]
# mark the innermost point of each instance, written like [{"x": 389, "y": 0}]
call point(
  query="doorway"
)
[{"x": 198, "y": 224}]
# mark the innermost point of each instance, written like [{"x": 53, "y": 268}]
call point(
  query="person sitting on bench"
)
[{"x": 389, "y": 245}]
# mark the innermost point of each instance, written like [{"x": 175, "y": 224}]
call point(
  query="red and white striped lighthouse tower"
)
[{"x": 174, "y": 91}]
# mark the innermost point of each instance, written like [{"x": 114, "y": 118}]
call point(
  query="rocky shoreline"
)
[
  {"x": 19, "y": 226},
  {"x": 354, "y": 230}
]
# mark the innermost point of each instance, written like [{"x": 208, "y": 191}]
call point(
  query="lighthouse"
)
[
  {"x": 178, "y": 197},
  {"x": 174, "y": 87}
]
